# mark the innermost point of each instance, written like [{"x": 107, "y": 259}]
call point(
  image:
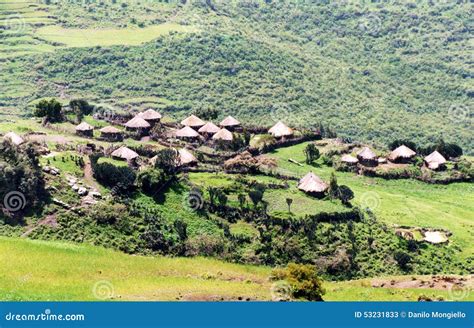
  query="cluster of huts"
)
[{"x": 401, "y": 154}]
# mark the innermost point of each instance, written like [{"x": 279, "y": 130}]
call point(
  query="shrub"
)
[
  {"x": 49, "y": 109},
  {"x": 151, "y": 180},
  {"x": 312, "y": 153},
  {"x": 303, "y": 280}
]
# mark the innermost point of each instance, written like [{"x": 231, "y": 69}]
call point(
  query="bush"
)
[
  {"x": 108, "y": 213},
  {"x": 151, "y": 180},
  {"x": 303, "y": 280},
  {"x": 49, "y": 109}
]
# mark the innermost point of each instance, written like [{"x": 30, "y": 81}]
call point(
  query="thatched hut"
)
[
  {"x": 151, "y": 116},
  {"x": 137, "y": 124},
  {"x": 186, "y": 133},
  {"x": 186, "y": 158},
  {"x": 193, "y": 121},
  {"x": 349, "y": 160},
  {"x": 229, "y": 123},
  {"x": 401, "y": 155},
  {"x": 14, "y": 138},
  {"x": 124, "y": 153},
  {"x": 208, "y": 129},
  {"x": 435, "y": 161},
  {"x": 111, "y": 133},
  {"x": 224, "y": 135},
  {"x": 280, "y": 130},
  {"x": 367, "y": 157},
  {"x": 312, "y": 184},
  {"x": 85, "y": 130}
]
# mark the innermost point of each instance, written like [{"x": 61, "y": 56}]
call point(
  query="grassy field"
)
[
  {"x": 402, "y": 202},
  {"x": 37, "y": 270},
  {"x": 107, "y": 37}
]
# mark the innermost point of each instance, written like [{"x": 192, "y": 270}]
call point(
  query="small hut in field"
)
[
  {"x": 111, "y": 133},
  {"x": 280, "y": 130},
  {"x": 124, "y": 153},
  {"x": 367, "y": 157},
  {"x": 193, "y": 121},
  {"x": 224, "y": 135},
  {"x": 138, "y": 125},
  {"x": 313, "y": 185},
  {"x": 230, "y": 123},
  {"x": 186, "y": 158},
  {"x": 14, "y": 138},
  {"x": 187, "y": 133},
  {"x": 208, "y": 129},
  {"x": 435, "y": 161},
  {"x": 402, "y": 154},
  {"x": 85, "y": 130},
  {"x": 151, "y": 116},
  {"x": 349, "y": 160}
]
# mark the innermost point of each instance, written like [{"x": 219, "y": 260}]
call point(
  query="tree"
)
[
  {"x": 333, "y": 190},
  {"x": 151, "y": 180},
  {"x": 256, "y": 194},
  {"x": 303, "y": 280},
  {"x": 403, "y": 259},
  {"x": 207, "y": 113},
  {"x": 312, "y": 153},
  {"x": 289, "y": 201},
  {"x": 399, "y": 142},
  {"x": 242, "y": 199},
  {"x": 345, "y": 194},
  {"x": 167, "y": 160},
  {"x": 51, "y": 110}
]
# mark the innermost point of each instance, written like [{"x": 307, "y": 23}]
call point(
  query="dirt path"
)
[
  {"x": 50, "y": 220},
  {"x": 88, "y": 177},
  {"x": 442, "y": 282}
]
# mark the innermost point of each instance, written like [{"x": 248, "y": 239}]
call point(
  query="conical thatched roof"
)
[
  {"x": 435, "y": 159},
  {"x": 209, "y": 128},
  {"x": 110, "y": 129},
  {"x": 150, "y": 114},
  {"x": 14, "y": 138},
  {"x": 229, "y": 121},
  {"x": 312, "y": 183},
  {"x": 280, "y": 130},
  {"x": 124, "y": 153},
  {"x": 137, "y": 123},
  {"x": 193, "y": 121},
  {"x": 367, "y": 154},
  {"x": 401, "y": 152},
  {"x": 223, "y": 134},
  {"x": 349, "y": 159},
  {"x": 185, "y": 157},
  {"x": 186, "y": 132},
  {"x": 84, "y": 126}
]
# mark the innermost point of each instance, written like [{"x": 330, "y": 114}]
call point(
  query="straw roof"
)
[
  {"x": 401, "y": 152},
  {"x": 125, "y": 153},
  {"x": 150, "y": 114},
  {"x": 14, "y": 138},
  {"x": 209, "y": 127},
  {"x": 185, "y": 157},
  {"x": 229, "y": 121},
  {"x": 312, "y": 183},
  {"x": 193, "y": 121},
  {"x": 367, "y": 154},
  {"x": 349, "y": 159},
  {"x": 223, "y": 134},
  {"x": 186, "y": 132},
  {"x": 435, "y": 159},
  {"x": 137, "y": 123},
  {"x": 110, "y": 129},
  {"x": 280, "y": 130},
  {"x": 84, "y": 126}
]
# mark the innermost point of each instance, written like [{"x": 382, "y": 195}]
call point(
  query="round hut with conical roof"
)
[
  {"x": 367, "y": 157},
  {"x": 435, "y": 161},
  {"x": 187, "y": 133},
  {"x": 186, "y": 158},
  {"x": 85, "y": 130},
  {"x": 402, "y": 154},
  {"x": 14, "y": 138},
  {"x": 124, "y": 153},
  {"x": 208, "y": 129},
  {"x": 151, "y": 116},
  {"x": 223, "y": 135},
  {"x": 230, "y": 123},
  {"x": 138, "y": 125},
  {"x": 111, "y": 134},
  {"x": 280, "y": 131},
  {"x": 313, "y": 185},
  {"x": 193, "y": 122},
  {"x": 349, "y": 160}
]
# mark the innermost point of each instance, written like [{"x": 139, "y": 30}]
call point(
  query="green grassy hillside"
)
[
  {"x": 51, "y": 271},
  {"x": 373, "y": 71}
]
